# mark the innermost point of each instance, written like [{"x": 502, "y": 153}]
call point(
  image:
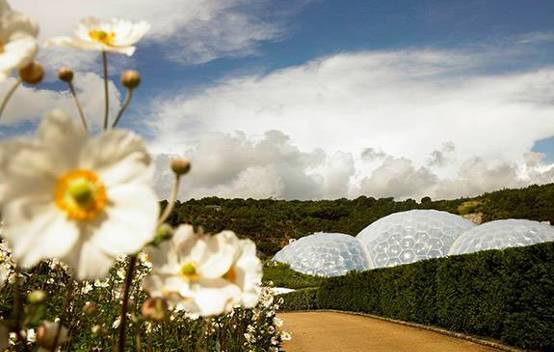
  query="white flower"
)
[
  {"x": 85, "y": 200},
  {"x": 114, "y": 35},
  {"x": 18, "y": 44},
  {"x": 4, "y": 274},
  {"x": 204, "y": 274}
]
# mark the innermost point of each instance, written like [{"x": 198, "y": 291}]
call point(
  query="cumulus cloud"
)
[
  {"x": 370, "y": 154},
  {"x": 235, "y": 165},
  {"x": 192, "y": 31},
  {"x": 405, "y": 123},
  {"x": 440, "y": 157},
  {"x": 403, "y": 102},
  {"x": 30, "y": 103}
]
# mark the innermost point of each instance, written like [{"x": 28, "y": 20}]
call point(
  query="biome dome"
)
[
  {"x": 409, "y": 236},
  {"x": 324, "y": 254},
  {"x": 502, "y": 234}
]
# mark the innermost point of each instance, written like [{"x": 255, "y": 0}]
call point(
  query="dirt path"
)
[{"x": 336, "y": 332}]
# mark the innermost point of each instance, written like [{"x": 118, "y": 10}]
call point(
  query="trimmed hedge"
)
[
  {"x": 304, "y": 299},
  {"x": 506, "y": 295},
  {"x": 281, "y": 275}
]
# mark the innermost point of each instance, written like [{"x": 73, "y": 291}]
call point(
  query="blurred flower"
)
[
  {"x": 155, "y": 309},
  {"x": 85, "y": 200},
  {"x": 46, "y": 335},
  {"x": 18, "y": 44},
  {"x": 114, "y": 35},
  {"x": 205, "y": 274},
  {"x": 4, "y": 275}
]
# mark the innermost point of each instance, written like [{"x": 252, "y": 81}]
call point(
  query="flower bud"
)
[
  {"x": 130, "y": 79},
  {"x": 36, "y": 297},
  {"x": 180, "y": 166},
  {"x": 163, "y": 233},
  {"x": 65, "y": 74},
  {"x": 46, "y": 335},
  {"x": 98, "y": 330},
  {"x": 155, "y": 309},
  {"x": 33, "y": 73},
  {"x": 90, "y": 308}
]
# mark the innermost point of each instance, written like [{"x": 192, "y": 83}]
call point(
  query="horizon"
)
[{"x": 324, "y": 100}]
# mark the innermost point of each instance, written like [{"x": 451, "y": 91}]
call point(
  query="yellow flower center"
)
[
  {"x": 80, "y": 194},
  {"x": 231, "y": 275},
  {"x": 102, "y": 36},
  {"x": 188, "y": 272}
]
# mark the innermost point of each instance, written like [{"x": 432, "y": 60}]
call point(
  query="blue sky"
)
[{"x": 328, "y": 98}]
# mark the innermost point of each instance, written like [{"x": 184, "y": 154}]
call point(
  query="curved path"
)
[{"x": 329, "y": 331}]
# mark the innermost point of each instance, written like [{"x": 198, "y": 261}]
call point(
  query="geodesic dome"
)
[
  {"x": 410, "y": 236},
  {"x": 324, "y": 254},
  {"x": 501, "y": 234}
]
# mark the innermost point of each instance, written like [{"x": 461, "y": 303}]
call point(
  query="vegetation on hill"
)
[{"x": 272, "y": 223}]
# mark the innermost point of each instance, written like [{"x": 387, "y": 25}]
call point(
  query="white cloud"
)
[
  {"x": 192, "y": 31},
  {"x": 434, "y": 123},
  {"x": 29, "y": 103},
  {"x": 404, "y": 103}
]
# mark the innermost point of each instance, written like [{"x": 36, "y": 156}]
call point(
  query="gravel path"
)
[{"x": 336, "y": 332}]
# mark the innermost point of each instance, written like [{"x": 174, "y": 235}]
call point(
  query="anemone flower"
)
[
  {"x": 204, "y": 274},
  {"x": 18, "y": 43},
  {"x": 113, "y": 35},
  {"x": 82, "y": 199}
]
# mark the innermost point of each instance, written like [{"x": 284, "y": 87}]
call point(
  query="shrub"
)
[
  {"x": 304, "y": 299},
  {"x": 506, "y": 295},
  {"x": 281, "y": 275}
]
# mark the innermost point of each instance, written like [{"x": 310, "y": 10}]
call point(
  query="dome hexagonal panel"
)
[
  {"x": 409, "y": 236},
  {"x": 324, "y": 254},
  {"x": 502, "y": 234}
]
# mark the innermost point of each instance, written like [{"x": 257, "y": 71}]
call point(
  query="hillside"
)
[{"x": 271, "y": 223}]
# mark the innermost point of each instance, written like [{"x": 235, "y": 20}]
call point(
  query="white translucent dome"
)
[
  {"x": 409, "y": 236},
  {"x": 501, "y": 234},
  {"x": 324, "y": 254}
]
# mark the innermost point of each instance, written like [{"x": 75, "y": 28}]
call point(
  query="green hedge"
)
[
  {"x": 506, "y": 295},
  {"x": 281, "y": 275},
  {"x": 304, "y": 299}
]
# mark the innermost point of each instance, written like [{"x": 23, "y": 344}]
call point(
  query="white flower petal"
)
[
  {"x": 119, "y": 157},
  {"x": 213, "y": 299},
  {"x": 76, "y": 43},
  {"x": 131, "y": 220},
  {"x": 20, "y": 164},
  {"x": 222, "y": 249},
  {"x": 36, "y": 230},
  {"x": 63, "y": 137},
  {"x": 125, "y": 35},
  {"x": 18, "y": 53},
  {"x": 87, "y": 260}
]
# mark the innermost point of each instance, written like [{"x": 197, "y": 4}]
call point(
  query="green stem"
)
[
  {"x": 123, "y": 107},
  {"x": 9, "y": 95},
  {"x": 171, "y": 201},
  {"x": 125, "y": 303},
  {"x": 68, "y": 300},
  {"x": 78, "y": 104},
  {"x": 106, "y": 91}
]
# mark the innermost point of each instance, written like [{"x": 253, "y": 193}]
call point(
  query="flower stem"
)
[
  {"x": 106, "y": 92},
  {"x": 78, "y": 104},
  {"x": 9, "y": 95},
  {"x": 68, "y": 300},
  {"x": 125, "y": 303},
  {"x": 124, "y": 107},
  {"x": 171, "y": 201},
  {"x": 18, "y": 307}
]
